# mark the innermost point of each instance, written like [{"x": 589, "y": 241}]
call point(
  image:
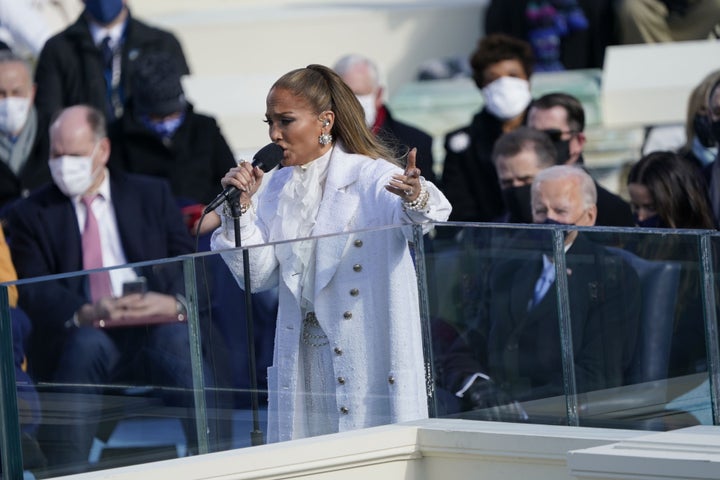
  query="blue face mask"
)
[
  {"x": 650, "y": 222},
  {"x": 163, "y": 128},
  {"x": 104, "y": 11}
]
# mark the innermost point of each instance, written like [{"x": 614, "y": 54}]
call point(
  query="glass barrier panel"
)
[
  {"x": 16, "y": 410},
  {"x": 653, "y": 339},
  {"x": 120, "y": 390},
  {"x": 635, "y": 319},
  {"x": 98, "y": 368},
  {"x": 166, "y": 369},
  {"x": 710, "y": 246},
  {"x": 495, "y": 322},
  {"x": 345, "y": 316}
]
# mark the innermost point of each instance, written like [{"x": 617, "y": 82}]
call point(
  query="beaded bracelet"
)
[
  {"x": 244, "y": 207},
  {"x": 421, "y": 201}
]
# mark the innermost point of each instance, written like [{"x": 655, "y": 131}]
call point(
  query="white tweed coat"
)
[{"x": 366, "y": 297}]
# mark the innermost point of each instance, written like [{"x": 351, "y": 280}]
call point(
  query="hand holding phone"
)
[{"x": 139, "y": 285}]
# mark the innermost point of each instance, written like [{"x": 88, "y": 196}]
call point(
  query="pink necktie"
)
[{"x": 92, "y": 253}]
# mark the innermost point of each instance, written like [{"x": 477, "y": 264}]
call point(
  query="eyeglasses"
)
[{"x": 555, "y": 134}]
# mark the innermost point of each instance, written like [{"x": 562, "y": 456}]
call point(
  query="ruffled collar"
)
[{"x": 298, "y": 206}]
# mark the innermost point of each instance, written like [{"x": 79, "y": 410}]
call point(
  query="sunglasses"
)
[{"x": 555, "y": 134}]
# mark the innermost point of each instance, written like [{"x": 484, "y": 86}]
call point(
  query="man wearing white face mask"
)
[
  {"x": 362, "y": 76},
  {"x": 135, "y": 219},
  {"x": 23, "y": 153},
  {"x": 502, "y": 66}
]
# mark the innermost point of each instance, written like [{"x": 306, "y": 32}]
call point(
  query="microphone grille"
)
[{"x": 268, "y": 157}]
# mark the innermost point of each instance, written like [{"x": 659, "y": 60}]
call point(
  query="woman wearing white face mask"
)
[{"x": 502, "y": 66}]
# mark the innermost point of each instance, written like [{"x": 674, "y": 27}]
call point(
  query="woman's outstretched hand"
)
[{"x": 407, "y": 186}]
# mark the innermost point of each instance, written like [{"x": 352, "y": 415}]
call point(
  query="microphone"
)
[{"x": 266, "y": 159}]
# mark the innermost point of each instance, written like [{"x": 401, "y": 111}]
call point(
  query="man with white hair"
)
[
  {"x": 516, "y": 353},
  {"x": 362, "y": 76}
]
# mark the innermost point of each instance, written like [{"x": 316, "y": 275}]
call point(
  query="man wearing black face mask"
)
[
  {"x": 518, "y": 157},
  {"x": 562, "y": 118},
  {"x": 515, "y": 353},
  {"x": 91, "y": 61}
]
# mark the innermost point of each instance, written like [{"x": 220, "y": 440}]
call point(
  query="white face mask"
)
[
  {"x": 507, "y": 97},
  {"x": 13, "y": 114},
  {"x": 73, "y": 174},
  {"x": 368, "y": 105}
]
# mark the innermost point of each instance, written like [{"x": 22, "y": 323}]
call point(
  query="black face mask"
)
[
  {"x": 517, "y": 201},
  {"x": 703, "y": 130},
  {"x": 650, "y": 222},
  {"x": 542, "y": 240},
  {"x": 715, "y": 130},
  {"x": 562, "y": 147}
]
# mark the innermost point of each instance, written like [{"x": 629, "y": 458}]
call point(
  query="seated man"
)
[
  {"x": 23, "y": 149},
  {"x": 516, "y": 352},
  {"x": 519, "y": 156},
  {"x": 87, "y": 219},
  {"x": 562, "y": 118}
]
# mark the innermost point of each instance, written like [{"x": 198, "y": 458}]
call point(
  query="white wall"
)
[{"x": 650, "y": 84}]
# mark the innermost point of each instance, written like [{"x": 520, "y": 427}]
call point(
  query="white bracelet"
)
[{"x": 421, "y": 201}]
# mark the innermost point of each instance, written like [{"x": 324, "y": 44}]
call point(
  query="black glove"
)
[{"x": 487, "y": 401}]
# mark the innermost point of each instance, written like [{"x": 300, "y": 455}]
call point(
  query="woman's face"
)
[
  {"x": 295, "y": 127},
  {"x": 504, "y": 68},
  {"x": 641, "y": 201}
]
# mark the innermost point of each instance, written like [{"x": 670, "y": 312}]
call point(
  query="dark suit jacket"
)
[
  {"x": 70, "y": 69},
  {"x": 402, "y": 135},
  {"x": 46, "y": 240},
  {"x": 612, "y": 211},
  {"x": 521, "y": 349},
  {"x": 33, "y": 174}
]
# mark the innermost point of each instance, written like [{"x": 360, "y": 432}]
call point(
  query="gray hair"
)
[
  {"x": 8, "y": 56},
  {"x": 347, "y": 62},
  {"x": 570, "y": 172}
]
